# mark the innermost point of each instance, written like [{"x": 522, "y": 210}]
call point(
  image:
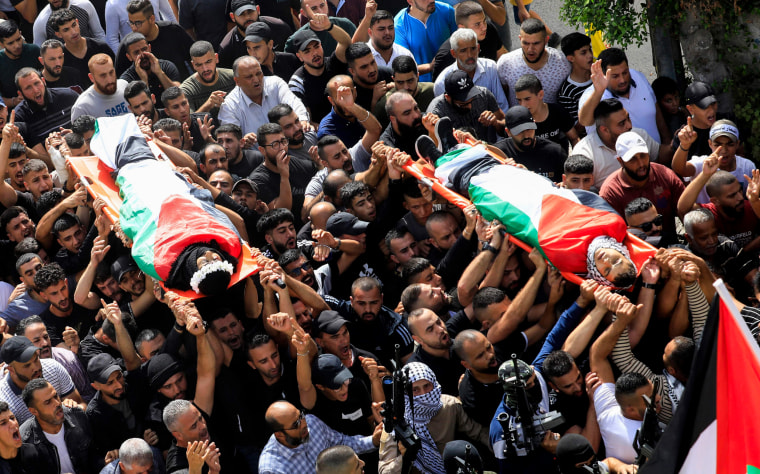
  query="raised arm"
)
[
  {"x": 206, "y": 368},
  {"x": 580, "y": 337},
  {"x": 123, "y": 340},
  {"x": 688, "y": 199},
  {"x": 83, "y": 295},
  {"x": 549, "y": 318},
  {"x": 361, "y": 35},
  {"x": 600, "y": 81},
  {"x": 8, "y": 195},
  {"x": 306, "y": 391},
  {"x": 603, "y": 346},
  {"x": 686, "y": 137},
  {"x": 650, "y": 275}
]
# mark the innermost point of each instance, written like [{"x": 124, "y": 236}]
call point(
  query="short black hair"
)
[
  {"x": 637, "y": 206},
  {"x": 74, "y": 140},
  {"x": 65, "y": 222},
  {"x": 351, "y": 190},
  {"x": 24, "y": 259},
  {"x": 289, "y": 256},
  {"x": 279, "y": 111},
  {"x": 258, "y": 340},
  {"x": 24, "y": 72},
  {"x": 171, "y": 93},
  {"x": 612, "y": 57},
  {"x": 201, "y": 48},
  {"x": 146, "y": 335},
  {"x": 135, "y": 88},
  {"x": 414, "y": 267},
  {"x": 404, "y": 65},
  {"x": 168, "y": 125},
  {"x": 326, "y": 140},
  {"x": 466, "y": 9},
  {"x": 232, "y": 128},
  {"x": 17, "y": 149},
  {"x": 26, "y": 322},
  {"x": 664, "y": 85},
  {"x": 49, "y": 275},
  {"x": 557, "y": 364},
  {"x": 529, "y": 82},
  {"x": 393, "y": 234},
  {"x": 531, "y": 26},
  {"x": 266, "y": 130},
  {"x": 49, "y": 199},
  {"x": 628, "y": 383},
  {"x": 272, "y": 219},
  {"x": 356, "y": 51},
  {"x": 573, "y": 42},
  {"x": 487, "y": 296},
  {"x": 578, "y": 164},
  {"x": 410, "y": 188},
  {"x": 9, "y": 214},
  {"x": 131, "y": 39},
  {"x": 27, "y": 395},
  {"x": 8, "y": 28},
  {"x": 127, "y": 319},
  {"x": 28, "y": 245},
  {"x": 379, "y": 16},
  {"x": 137, "y": 6},
  {"x": 606, "y": 108},
  {"x": 58, "y": 18},
  {"x": 83, "y": 123},
  {"x": 50, "y": 44},
  {"x": 681, "y": 356}
]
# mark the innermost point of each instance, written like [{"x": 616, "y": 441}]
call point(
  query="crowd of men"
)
[{"x": 297, "y": 119}]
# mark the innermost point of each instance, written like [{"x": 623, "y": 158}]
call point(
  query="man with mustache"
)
[
  {"x": 243, "y": 13},
  {"x": 537, "y": 154},
  {"x": 406, "y": 122},
  {"x": 54, "y": 71},
  {"x": 372, "y": 82},
  {"x": 159, "y": 74},
  {"x": 435, "y": 348},
  {"x": 481, "y": 389},
  {"x": 105, "y": 98},
  {"x": 382, "y": 36},
  {"x": 300, "y": 138},
  {"x": 52, "y": 419},
  {"x": 205, "y": 90}
]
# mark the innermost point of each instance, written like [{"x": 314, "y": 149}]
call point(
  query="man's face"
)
[
  {"x": 216, "y": 159},
  {"x": 525, "y": 139},
  {"x": 578, "y": 181},
  {"x": 150, "y": 349},
  {"x": 406, "y": 82},
  {"x": 637, "y": 168},
  {"x": 646, "y": 219},
  {"x": 178, "y": 109},
  {"x": 364, "y": 71},
  {"x": 476, "y": 23},
  {"x": 205, "y": 66},
  {"x": 295, "y": 428},
  {"x": 15, "y": 169},
  {"x": 363, "y": 206},
  {"x": 316, "y": 6},
  {"x": 429, "y": 330},
  {"x": 37, "y": 333},
  {"x": 425, "y": 6},
  {"x": 133, "y": 282},
  {"x": 571, "y": 384},
  {"x": 403, "y": 249},
  {"x": 244, "y": 195},
  {"x": 433, "y": 298},
  {"x": 115, "y": 387},
  {"x": 293, "y": 130},
  {"x": 266, "y": 359},
  {"x": 104, "y": 78},
  {"x": 109, "y": 288},
  {"x": 27, "y": 272},
  {"x": 302, "y": 271},
  {"x": 312, "y": 55},
  {"x": 231, "y": 145},
  {"x": 338, "y": 344},
  {"x": 407, "y": 117},
  {"x": 13, "y": 44},
  {"x": 339, "y": 394},
  {"x": 618, "y": 123},
  {"x": 703, "y": 118},
  {"x": 282, "y": 237},
  {"x": 262, "y": 50},
  {"x": 46, "y": 406},
  {"x": 428, "y": 276},
  {"x": 532, "y": 45},
  {"x": 382, "y": 34},
  {"x": 727, "y": 154},
  {"x": 29, "y": 370},
  {"x": 444, "y": 233},
  {"x": 52, "y": 61},
  {"x": 529, "y": 100},
  {"x": 136, "y": 54},
  {"x": 19, "y": 228},
  {"x": 670, "y": 103},
  {"x": 467, "y": 55},
  {"x": 619, "y": 78},
  {"x": 38, "y": 182},
  {"x": 58, "y": 296},
  {"x": 367, "y": 304},
  {"x": 246, "y": 18},
  {"x": 230, "y": 331},
  {"x": 72, "y": 238},
  {"x": 142, "y": 104},
  {"x": 10, "y": 437},
  {"x": 341, "y": 82},
  {"x": 141, "y": 23},
  {"x": 250, "y": 80},
  {"x": 730, "y": 200},
  {"x": 175, "y": 387},
  {"x": 176, "y": 138},
  {"x": 221, "y": 180},
  {"x": 191, "y": 426},
  {"x": 304, "y": 316},
  {"x": 511, "y": 273},
  {"x": 421, "y": 387},
  {"x": 641, "y": 405},
  {"x": 69, "y": 32},
  {"x": 480, "y": 355},
  {"x": 584, "y": 57}
]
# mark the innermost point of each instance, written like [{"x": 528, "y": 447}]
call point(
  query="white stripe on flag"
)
[
  {"x": 702, "y": 456},
  {"x": 111, "y": 132}
]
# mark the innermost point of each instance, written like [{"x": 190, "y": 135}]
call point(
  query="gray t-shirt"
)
[
  {"x": 358, "y": 154},
  {"x": 92, "y": 102}
]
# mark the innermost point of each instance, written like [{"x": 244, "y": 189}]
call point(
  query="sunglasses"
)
[
  {"x": 297, "y": 271},
  {"x": 297, "y": 424},
  {"x": 647, "y": 226}
]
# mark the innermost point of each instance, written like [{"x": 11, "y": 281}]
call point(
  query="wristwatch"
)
[{"x": 490, "y": 248}]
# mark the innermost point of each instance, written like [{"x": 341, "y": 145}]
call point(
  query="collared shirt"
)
[
  {"x": 52, "y": 371},
  {"x": 604, "y": 157},
  {"x": 424, "y": 39},
  {"x": 640, "y": 104},
  {"x": 486, "y": 75},
  {"x": 512, "y": 66},
  {"x": 239, "y": 109},
  {"x": 397, "y": 49},
  {"x": 279, "y": 459}
]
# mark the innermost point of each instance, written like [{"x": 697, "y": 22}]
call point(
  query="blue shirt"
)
[
  {"x": 22, "y": 307},
  {"x": 424, "y": 39},
  {"x": 349, "y": 132}
]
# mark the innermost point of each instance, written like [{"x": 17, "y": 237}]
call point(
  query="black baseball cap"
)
[
  {"x": 700, "y": 94},
  {"x": 302, "y": 39},
  {"x": 519, "y": 119},
  {"x": 239, "y": 6},
  {"x": 258, "y": 31},
  {"x": 122, "y": 266},
  {"x": 344, "y": 223},
  {"x": 329, "y": 372},
  {"x": 18, "y": 349},
  {"x": 101, "y": 367},
  {"x": 249, "y": 182},
  {"x": 460, "y": 87},
  {"x": 329, "y": 322}
]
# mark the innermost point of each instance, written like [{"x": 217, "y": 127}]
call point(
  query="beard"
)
[
  {"x": 636, "y": 177},
  {"x": 296, "y": 441},
  {"x": 414, "y": 130},
  {"x": 734, "y": 212}
]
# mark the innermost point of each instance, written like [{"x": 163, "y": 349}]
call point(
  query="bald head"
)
[
  {"x": 319, "y": 214},
  {"x": 278, "y": 413},
  {"x": 337, "y": 81}
]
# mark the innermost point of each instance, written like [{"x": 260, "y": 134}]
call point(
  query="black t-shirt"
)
[
  {"x": 311, "y": 89},
  {"x": 176, "y": 458},
  {"x": 94, "y": 47},
  {"x": 268, "y": 182},
  {"x": 349, "y": 417},
  {"x": 700, "y": 146},
  {"x": 480, "y": 400},
  {"x": 283, "y": 66},
  {"x": 233, "y": 43},
  {"x": 545, "y": 158},
  {"x": 447, "y": 371},
  {"x": 40, "y": 121},
  {"x": 247, "y": 164},
  {"x": 554, "y": 127},
  {"x": 72, "y": 79},
  {"x": 574, "y": 409},
  {"x": 154, "y": 84},
  {"x": 80, "y": 319},
  {"x": 172, "y": 44},
  {"x": 364, "y": 95},
  {"x": 490, "y": 45}
]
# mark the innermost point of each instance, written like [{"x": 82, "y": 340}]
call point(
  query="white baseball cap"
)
[{"x": 629, "y": 144}]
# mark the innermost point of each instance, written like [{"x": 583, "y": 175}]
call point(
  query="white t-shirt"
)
[
  {"x": 743, "y": 166},
  {"x": 618, "y": 431},
  {"x": 63, "y": 451}
]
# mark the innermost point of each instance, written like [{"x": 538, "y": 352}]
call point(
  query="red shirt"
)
[{"x": 743, "y": 230}]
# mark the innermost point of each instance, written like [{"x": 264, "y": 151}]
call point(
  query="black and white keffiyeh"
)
[
  {"x": 603, "y": 242},
  {"x": 429, "y": 459}
]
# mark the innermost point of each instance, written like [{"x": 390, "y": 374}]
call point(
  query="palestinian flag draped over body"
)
[
  {"x": 160, "y": 211},
  {"x": 561, "y": 223},
  {"x": 716, "y": 428}
]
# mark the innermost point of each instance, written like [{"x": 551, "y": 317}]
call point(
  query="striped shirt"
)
[
  {"x": 569, "y": 93},
  {"x": 52, "y": 371}
]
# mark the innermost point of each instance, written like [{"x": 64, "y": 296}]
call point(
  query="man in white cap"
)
[{"x": 637, "y": 177}]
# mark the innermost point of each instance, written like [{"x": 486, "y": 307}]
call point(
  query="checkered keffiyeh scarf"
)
[
  {"x": 426, "y": 406},
  {"x": 603, "y": 242}
]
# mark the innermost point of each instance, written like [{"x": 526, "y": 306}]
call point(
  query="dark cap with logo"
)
[
  {"x": 344, "y": 223},
  {"x": 519, "y": 119},
  {"x": 700, "y": 94},
  {"x": 101, "y": 367},
  {"x": 302, "y": 39},
  {"x": 239, "y": 6},
  {"x": 329, "y": 372},
  {"x": 258, "y": 31},
  {"x": 460, "y": 87}
]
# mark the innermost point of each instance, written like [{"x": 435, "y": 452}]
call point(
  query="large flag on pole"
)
[{"x": 716, "y": 428}]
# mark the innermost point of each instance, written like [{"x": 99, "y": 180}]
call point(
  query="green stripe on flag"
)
[
  {"x": 449, "y": 156},
  {"x": 752, "y": 470},
  {"x": 139, "y": 224}
]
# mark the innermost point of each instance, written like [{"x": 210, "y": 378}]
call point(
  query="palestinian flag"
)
[
  {"x": 716, "y": 429},
  {"x": 560, "y": 223}
]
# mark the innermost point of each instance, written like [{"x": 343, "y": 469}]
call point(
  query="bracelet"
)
[
  {"x": 682, "y": 148},
  {"x": 302, "y": 354},
  {"x": 178, "y": 328},
  {"x": 649, "y": 286},
  {"x": 365, "y": 118},
  {"x": 331, "y": 27},
  {"x": 325, "y": 246}
]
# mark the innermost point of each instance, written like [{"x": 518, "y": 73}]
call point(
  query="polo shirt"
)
[
  {"x": 424, "y": 39},
  {"x": 349, "y": 132},
  {"x": 52, "y": 371},
  {"x": 40, "y": 121},
  {"x": 485, "y": 75},
  {"x": 640, "y": 104}
]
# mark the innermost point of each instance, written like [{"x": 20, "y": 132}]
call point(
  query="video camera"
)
[
  {"x": 649, "y": 434},
  {"x": 394, "y": 387}
]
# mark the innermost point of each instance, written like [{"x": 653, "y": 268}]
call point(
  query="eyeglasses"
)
[
  {"x": 136, "y": 24},
  {"x": 647, "y": 226},
  {"x": 297, "y": 271},
  {"x": 277, "y": 145},
  {"x": 297, "y": 424}
]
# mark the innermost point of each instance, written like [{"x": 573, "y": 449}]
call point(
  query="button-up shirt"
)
[
  {"x": 239, "y": 109},
  {"x": 398, "y": 50},
  {"x": 277, "y": 458}
]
